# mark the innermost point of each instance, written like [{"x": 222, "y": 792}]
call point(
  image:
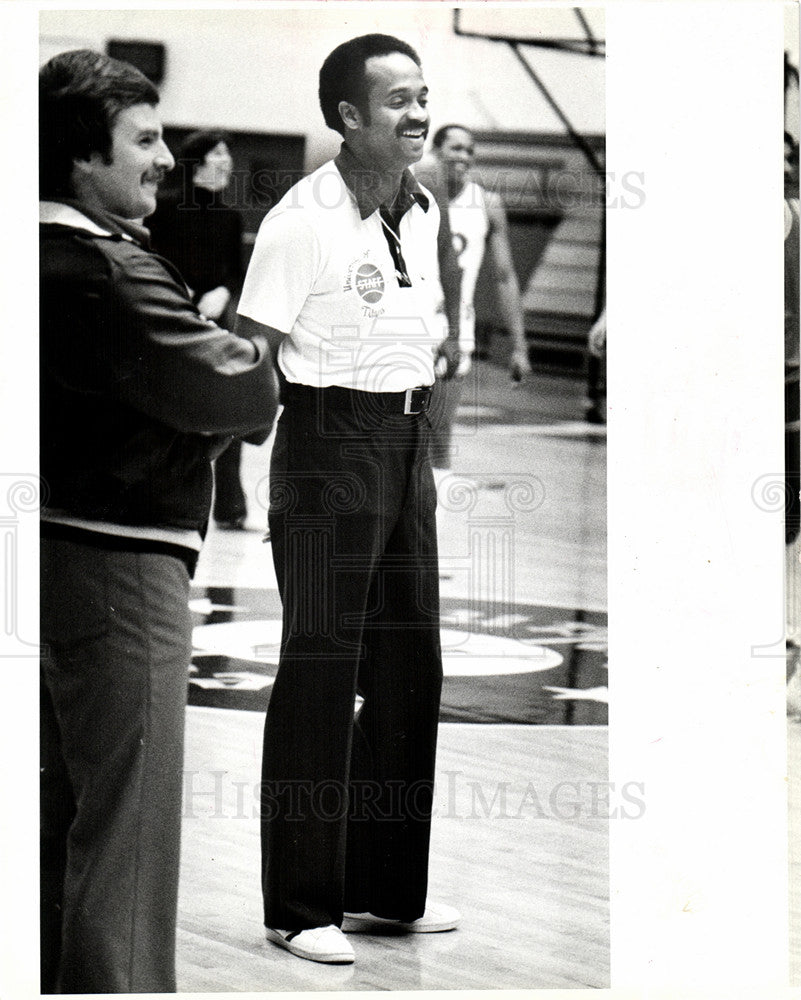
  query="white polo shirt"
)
[{"x": 325, "y": 277}]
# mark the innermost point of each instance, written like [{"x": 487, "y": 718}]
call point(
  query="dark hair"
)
[
  {"x": 343, "y": 76},
  {"x": 441, "y": 134},
  {"x": 198, "y": 145},
  {"x": 192, "y": 153},
  {"x": 81, "y": 93}
]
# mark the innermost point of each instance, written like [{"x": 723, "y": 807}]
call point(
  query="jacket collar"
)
[
  {"x": 362, "y": 182},
  {"x": 76, "y": 215}
]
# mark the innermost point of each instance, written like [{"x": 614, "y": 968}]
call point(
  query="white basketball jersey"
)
[{"x": 469, "y": 221}]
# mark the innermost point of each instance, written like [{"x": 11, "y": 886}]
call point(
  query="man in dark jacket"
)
[
  {"x": 202, "y": 235},
  {"x": 138, "y": 394}
]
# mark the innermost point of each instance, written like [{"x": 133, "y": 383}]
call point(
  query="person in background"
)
[
  {"x": 195, "y": 229},
  {"x": 478, "y": 223},
  {"x": 139, "y": 393},
  {"x": 595, "y": 410},
  {"x": 344, "y": 283}
]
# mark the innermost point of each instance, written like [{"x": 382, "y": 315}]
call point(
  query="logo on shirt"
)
[
  {"x": 366, "y": 278},
  {"x": 369, "y": 282}
]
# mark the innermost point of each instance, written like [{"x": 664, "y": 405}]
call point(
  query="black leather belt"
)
[
  {"x": 410, "y": 401},
  {"x": 416, "y": 400}
]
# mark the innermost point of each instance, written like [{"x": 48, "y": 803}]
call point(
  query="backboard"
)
[{"x": 572, "y": 29}]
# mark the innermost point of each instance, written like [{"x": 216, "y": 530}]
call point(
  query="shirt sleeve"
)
[
  {"x": 171, "y": 363},
  {"x": 282, "y": 270}
]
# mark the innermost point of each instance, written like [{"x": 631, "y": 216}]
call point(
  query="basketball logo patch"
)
[{"x": 369, "y": 283}]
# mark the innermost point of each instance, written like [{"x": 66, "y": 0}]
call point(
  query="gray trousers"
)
[{"x": 116, "y": 634}]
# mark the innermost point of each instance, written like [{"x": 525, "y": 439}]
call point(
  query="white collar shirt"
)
[{"x": 323, "y": 274}]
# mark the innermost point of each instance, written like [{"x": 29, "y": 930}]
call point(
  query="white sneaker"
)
[
  {"x": 437, "y": 917},
  {"x": 318, "y": 944}
]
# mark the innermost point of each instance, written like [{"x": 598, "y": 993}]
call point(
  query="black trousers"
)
[
  {"x": 346, "y": 802},
  {"x": 229, "y": 496},
  {"x": 792, "y": 458}
]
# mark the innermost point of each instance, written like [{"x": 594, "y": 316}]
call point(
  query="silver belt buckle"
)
[{"x": 424, "y": 396}]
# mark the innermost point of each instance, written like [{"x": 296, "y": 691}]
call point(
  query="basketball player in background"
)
[{"x": 478, "y": 222}]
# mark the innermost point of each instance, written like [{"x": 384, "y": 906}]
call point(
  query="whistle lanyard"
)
[{"x": 394, "y": 243}]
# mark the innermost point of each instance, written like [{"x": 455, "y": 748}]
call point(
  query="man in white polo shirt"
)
[{"x": 344, "y": 282}]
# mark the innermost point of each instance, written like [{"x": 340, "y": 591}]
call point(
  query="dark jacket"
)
[{"x": 138, "y": 391}]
